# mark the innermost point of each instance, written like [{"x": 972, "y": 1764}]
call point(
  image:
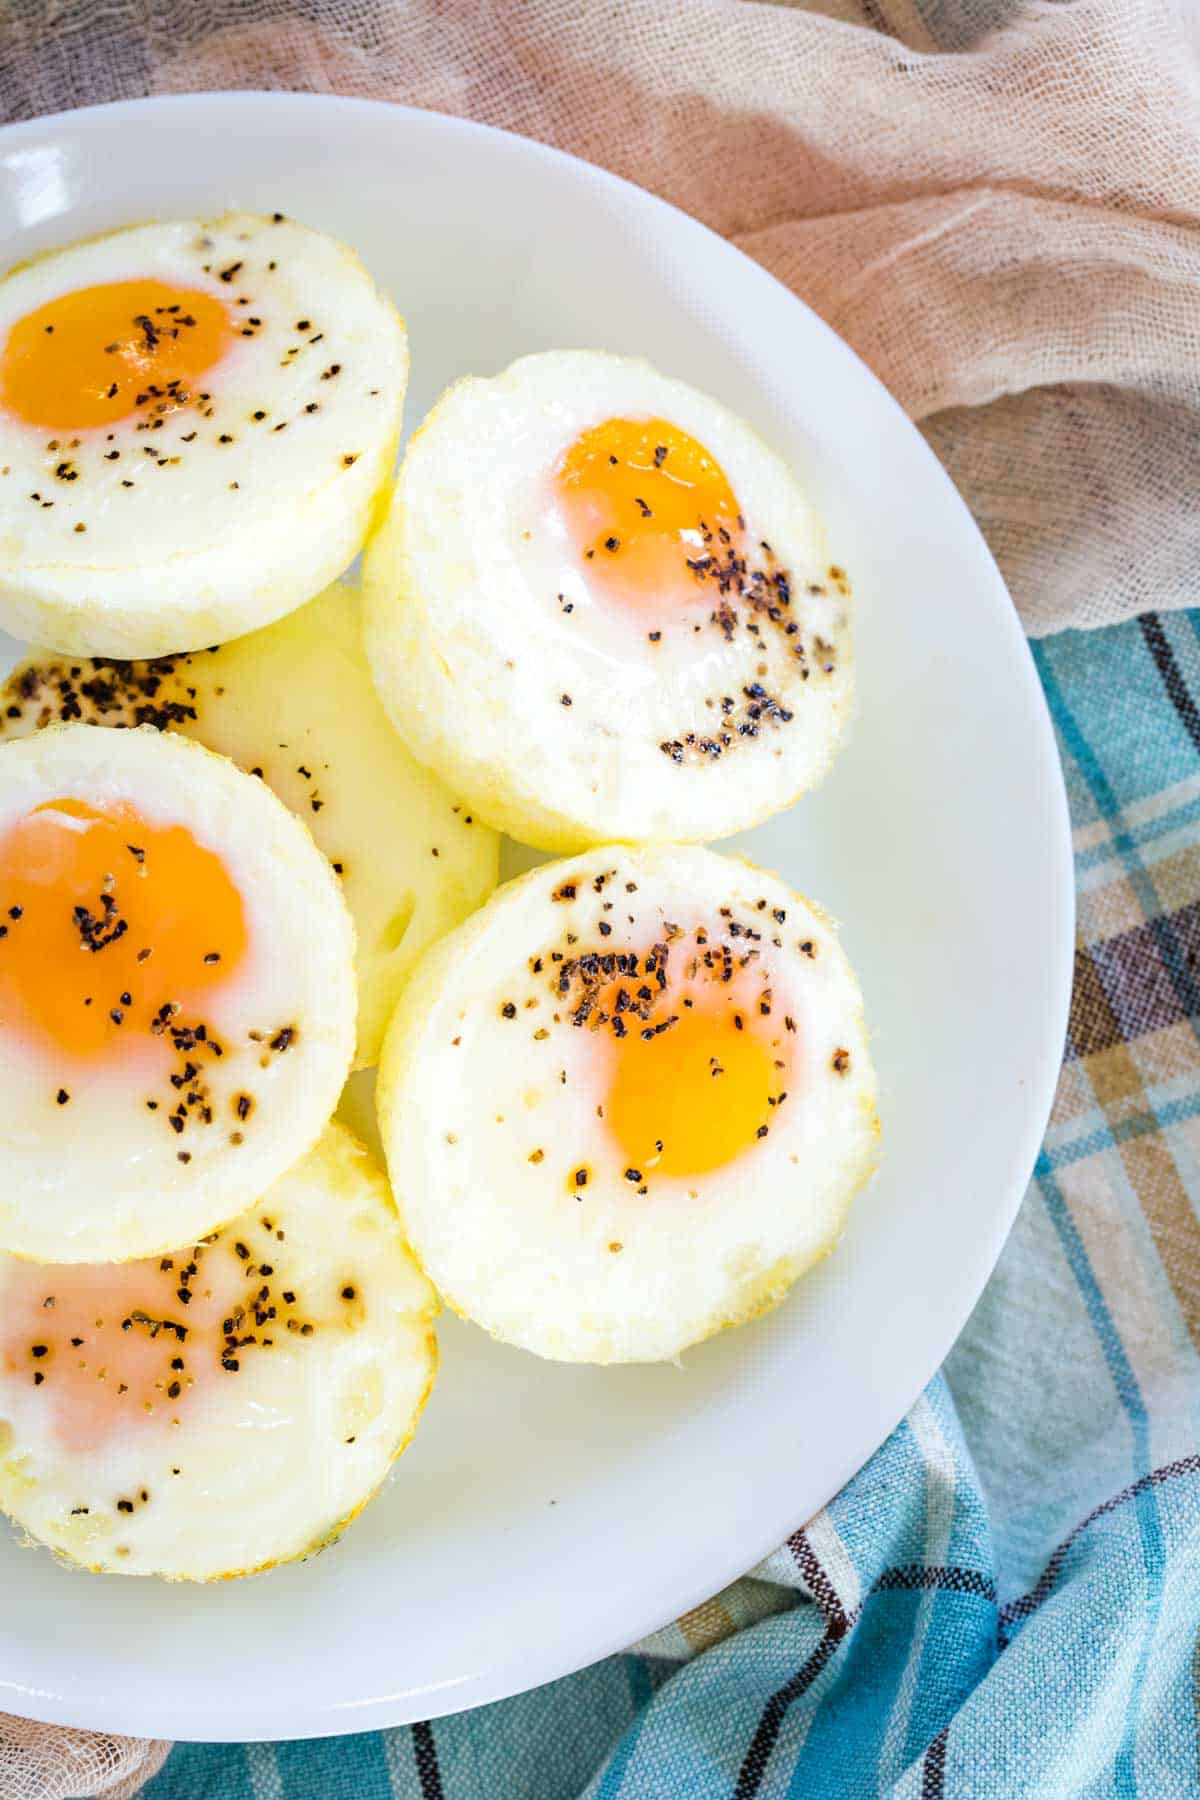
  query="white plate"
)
[{"x": 547, "y": 1515}]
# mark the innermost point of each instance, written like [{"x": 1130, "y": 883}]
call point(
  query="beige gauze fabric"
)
[
  {"x": 41, "y": 1762},
  {"x": 1005, "y": 224}
]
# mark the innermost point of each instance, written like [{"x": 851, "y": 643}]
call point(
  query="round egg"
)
[
  {"x": 227, "y": 1406},
  {"x": 294, "y": 704},
  {"x": 195, "y": 422},
  {"x": 177, "y": 993},
  {"x": 628, "y": 1103},
  {"x": 602, "y": 609}
]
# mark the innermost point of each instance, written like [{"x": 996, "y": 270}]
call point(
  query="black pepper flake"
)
[
  {"x": 508, "y": 1010},
  {"x": 581, "y": 1178},
  {"x": 62, "y": 1096}
]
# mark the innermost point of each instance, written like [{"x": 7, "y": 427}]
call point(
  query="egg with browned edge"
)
[
  {"x": 604, "y": 610},
  {"x": 196, "y": 418},
  {"x": 230, "y": 1405},
  {"x": 295, "y": 705},
  {"x": 177, "y": 994},
  {"x": 628, "y": 1103}
]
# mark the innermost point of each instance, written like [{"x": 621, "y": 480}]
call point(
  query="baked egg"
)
[
  {"x": 230, "y": 1405},
  {"x": 177, "y": 993},
  {"x": 628, "y": 1103},
  {"x": 603, "y": 609},
  {"x": 195, "y": 422}
]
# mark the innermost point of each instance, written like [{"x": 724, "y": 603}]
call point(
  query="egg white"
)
[
  {"x": 249, "y": 1465},
  {"x": 296, "y": 702},
  {"x": 550, "y": 710},
  {"x": 213, "y": 538},
  {"x": 99, "y": 1178},
  {"x": 487, "y": 1103}
]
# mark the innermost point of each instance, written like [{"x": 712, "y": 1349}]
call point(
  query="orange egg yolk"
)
[
  {"x": 641, "y": 499},
  {"x": 691, "y": 1099},
  {"x": 105, "y": 920},
  {"x": 99, "y": 354}
]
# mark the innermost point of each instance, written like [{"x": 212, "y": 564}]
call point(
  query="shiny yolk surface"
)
[
  {"x": 640, "y": 498},
  {"x": 99, "y": 354},
  {"x": 105, "y": 919},
  {"x": 695, "y": 1097}
]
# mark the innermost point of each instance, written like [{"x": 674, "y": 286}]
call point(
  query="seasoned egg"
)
[
  {"x": 176, "y": 992},
  {"x": 628, "y": 1103},
  {"x": 195, "y": 421},
  {"x": 294, "y": 704},
  {"x": 602, "y": 609},
  {"x": 229, "y": 1405}
]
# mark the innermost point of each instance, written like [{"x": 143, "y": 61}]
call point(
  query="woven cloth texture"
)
[{"x": 998, "y": 204}]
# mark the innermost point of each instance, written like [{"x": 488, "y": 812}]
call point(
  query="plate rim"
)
[{"x": 502, "y": 1678}]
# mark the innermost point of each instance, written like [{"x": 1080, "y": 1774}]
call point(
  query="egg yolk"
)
[
  {"x": 98, "y": 354},
  {"x": 641, "y": 499},
  {"x": 694, "y": 1096},
  {"x": 107, "y": 924},
  {"x": 113, "y": 1349}
]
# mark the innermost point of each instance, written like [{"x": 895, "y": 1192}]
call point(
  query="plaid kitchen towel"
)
[{"x": 1006, "y": 1600}]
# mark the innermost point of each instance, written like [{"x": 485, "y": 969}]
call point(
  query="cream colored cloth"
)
[
  {"x": 38, "y": 1762},
  {"x": 1005, "y": 224}
]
